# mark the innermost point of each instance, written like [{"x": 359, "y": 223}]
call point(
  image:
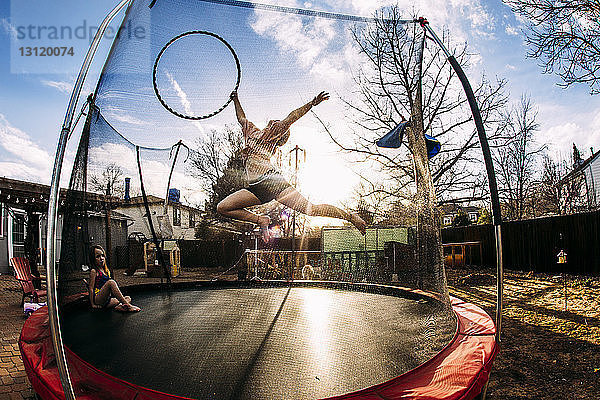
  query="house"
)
[
  {"x": 182, "y": 218},
  {"x": 23, "y": 223},
  {"x": 23, "y": 206},
  {"x": 585, "y": 181},
  {"x": 451, "y": 210}
]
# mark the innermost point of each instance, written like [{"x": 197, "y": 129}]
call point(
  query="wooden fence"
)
[
  {"x": 533, "y": 245},
  {"x": 210, "y": 253}
]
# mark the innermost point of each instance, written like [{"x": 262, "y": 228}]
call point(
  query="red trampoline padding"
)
[{"x": 458, "y": 372}]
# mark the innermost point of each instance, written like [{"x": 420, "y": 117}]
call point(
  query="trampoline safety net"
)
[{"x": 236, "y": 141}]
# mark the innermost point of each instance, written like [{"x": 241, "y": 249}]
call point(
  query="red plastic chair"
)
[{"x": 23, "y": 274}]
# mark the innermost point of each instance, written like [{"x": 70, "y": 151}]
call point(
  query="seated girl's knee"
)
[{"x": 221, "y": 208}]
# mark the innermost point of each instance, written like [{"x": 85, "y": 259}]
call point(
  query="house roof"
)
[
  {"x": 139, "y": 200},
  {"x": 34, "y": 196},
  {"x": 582, "y": 166},
  {"x": 450, "y": 208},
  {"x": 115, "y": 215}
]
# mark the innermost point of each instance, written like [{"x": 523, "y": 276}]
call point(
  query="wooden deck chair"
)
[{"x": 23, "y": 274}]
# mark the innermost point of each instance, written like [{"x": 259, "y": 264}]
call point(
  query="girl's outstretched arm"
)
[
  {"x": 239, "y": 111},
  {"x": 299, "y": 112}
]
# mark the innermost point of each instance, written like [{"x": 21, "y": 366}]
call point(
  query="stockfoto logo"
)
[{"x": 78, "y": 32}]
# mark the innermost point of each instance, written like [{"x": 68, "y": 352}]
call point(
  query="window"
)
[
  {"x": 176, "y": 216},
  {"x": 18, "y": 235},
  {"x": 2, "y": 219},
  {"x": 192, "y": 219},
  {"x": 447, "y": 220},
  {"x": 473, "y": 216}
]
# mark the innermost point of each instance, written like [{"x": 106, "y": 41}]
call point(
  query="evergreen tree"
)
[
  {"x": 461, "y": 219},
  {"x": 577, "y": 160}
]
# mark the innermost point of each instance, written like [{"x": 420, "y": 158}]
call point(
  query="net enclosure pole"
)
[
  {"x": 487, "y": 156},
  {"x": 53, "y": 201}
]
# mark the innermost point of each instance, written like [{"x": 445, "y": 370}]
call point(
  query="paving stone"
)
[{"x": 16, "y": 396}]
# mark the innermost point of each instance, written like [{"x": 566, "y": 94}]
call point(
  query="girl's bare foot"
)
[
  {"x": 127, "y": 307},
  {"x": 358, "y": 223},
  {"x": 263, "y": 223}
]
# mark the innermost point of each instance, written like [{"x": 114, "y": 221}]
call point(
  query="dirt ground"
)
[{"x": 550, "y": 342}]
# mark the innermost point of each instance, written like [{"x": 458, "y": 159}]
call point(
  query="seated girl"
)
[{"x": 104, "y": 291}]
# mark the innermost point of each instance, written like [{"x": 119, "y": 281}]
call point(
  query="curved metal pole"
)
[
  {"x": 487, "y": 156},
  {"x": 53, "y": 208}
]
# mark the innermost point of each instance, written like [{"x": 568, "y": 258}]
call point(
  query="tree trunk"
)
[{"x": 428, "y": 227}]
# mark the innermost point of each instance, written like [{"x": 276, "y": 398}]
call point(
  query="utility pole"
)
[
  {"x": 295, "y": 150},
  {"x": 108, "y": 223}
]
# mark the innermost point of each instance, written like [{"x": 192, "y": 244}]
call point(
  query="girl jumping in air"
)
[{"x": 265, "y": 182}]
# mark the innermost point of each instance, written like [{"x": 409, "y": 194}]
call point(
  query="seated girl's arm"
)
[
  {"x": 92, "y": 285},
  {"x": 299, "y": 112}
]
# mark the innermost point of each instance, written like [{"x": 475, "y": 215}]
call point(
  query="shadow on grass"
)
[
  {"x": 484, "y": 297},
  {"x": 535, "y": 362}
]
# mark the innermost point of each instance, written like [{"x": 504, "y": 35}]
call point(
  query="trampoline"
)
[
  {"x": 273, "y": 340},
  {"x": 349, "y": 336}
]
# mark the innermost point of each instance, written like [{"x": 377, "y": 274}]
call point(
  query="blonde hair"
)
[{"x": 93, "y": 258}]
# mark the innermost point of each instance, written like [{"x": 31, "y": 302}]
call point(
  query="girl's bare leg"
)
[
  {"x": 112, "y": 303},
  {"x": 292, "y": 198},
  {"x": 111, "y": 288},
  {"x": 234, "y": 206}
]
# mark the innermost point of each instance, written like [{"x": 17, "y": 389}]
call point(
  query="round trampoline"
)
[
  {"x": 349, "y": 336},
  {"x": 269, "y": 340}
]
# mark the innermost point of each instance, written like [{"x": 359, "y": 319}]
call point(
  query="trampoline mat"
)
[{"x": 250, "y": 343}]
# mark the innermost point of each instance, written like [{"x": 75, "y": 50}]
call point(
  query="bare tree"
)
[
  {"x": 108, "y": 181},
  {"x": 549, "y": 189},
  {"x": 393, "y": 86},
  {"x": 564, "y": 35},
  {"x": 516, "y": 158},
  {"x": 217, "y": 162}
]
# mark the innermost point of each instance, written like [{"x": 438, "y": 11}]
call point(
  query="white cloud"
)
[
  {"x": 155, "y": 170},
  {"x": 26, "y": 152},
  {"x": 25, "y": 160},
  {"x": 582, "y": 129},
  {"x": 476, "y": 59},
  {"x": 512, "y": 30},
  {"x": 8, "y": 28},
  {"x": 24, "y": 172},
  {"x": 563, "y": 136},
  {"x": 510, "y": 67},
  {"x": 187, "y": 106},
  {"x": 185, "y": 102},
  {"x": 306, "y": 41},
  {"x": 61, "y": 86},
  {"x": 125, "y": 118}
]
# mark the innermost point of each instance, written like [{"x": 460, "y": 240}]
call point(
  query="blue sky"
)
[{"x": 33, "y": 100}]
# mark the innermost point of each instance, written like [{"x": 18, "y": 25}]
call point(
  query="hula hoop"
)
[{"x": 157, "y": 92}]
